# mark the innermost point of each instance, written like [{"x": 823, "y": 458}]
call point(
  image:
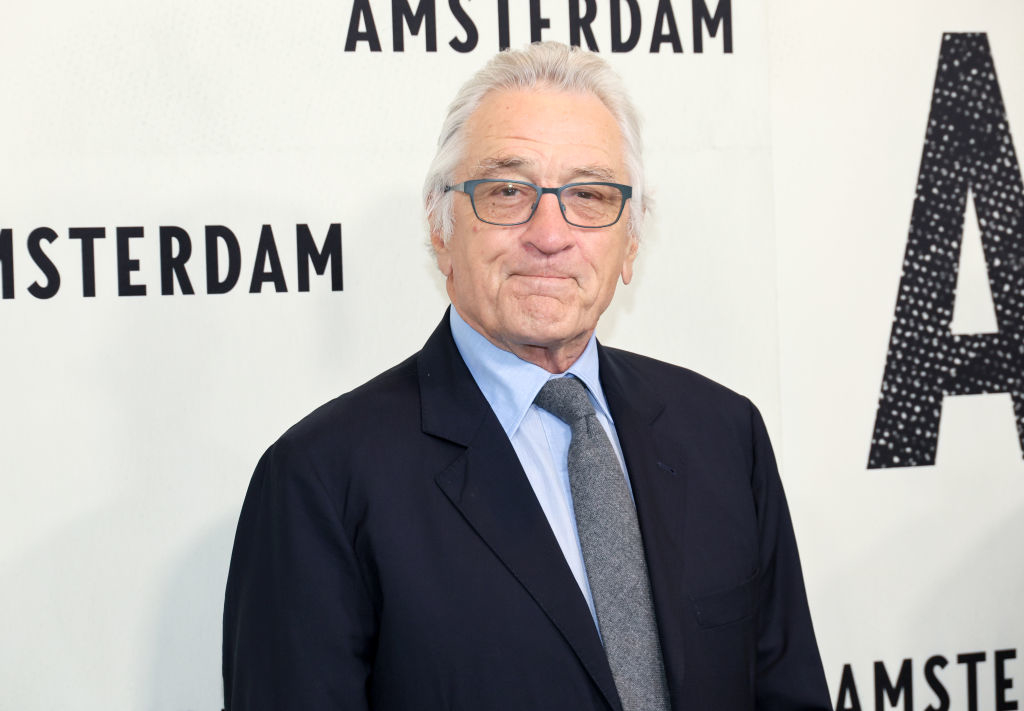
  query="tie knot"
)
[{"x": 566, "y": 399}]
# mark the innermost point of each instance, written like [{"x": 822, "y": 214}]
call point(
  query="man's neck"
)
[{"x": 555, "y": 359}]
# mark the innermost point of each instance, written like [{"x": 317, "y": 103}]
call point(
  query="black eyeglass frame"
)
[{"x": 469, "y": 186}]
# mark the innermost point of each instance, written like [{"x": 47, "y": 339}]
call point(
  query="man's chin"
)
[{"x": 549, "y": 331}]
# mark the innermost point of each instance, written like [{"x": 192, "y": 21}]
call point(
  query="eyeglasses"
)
[{"x": 513, "y": 202}]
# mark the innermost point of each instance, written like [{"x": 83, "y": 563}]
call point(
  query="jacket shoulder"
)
[
  {"x": 381, "y": 407},
  {"x": 675, "y": 383}
]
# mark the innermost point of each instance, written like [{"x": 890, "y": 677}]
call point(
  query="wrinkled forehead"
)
[{"x": 543, "y": 130}]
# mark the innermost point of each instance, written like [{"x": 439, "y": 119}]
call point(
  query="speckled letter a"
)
[{"x": 967, "y": 150}]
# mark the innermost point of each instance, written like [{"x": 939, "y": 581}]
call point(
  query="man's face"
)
[{"x": 543, "y": 284}]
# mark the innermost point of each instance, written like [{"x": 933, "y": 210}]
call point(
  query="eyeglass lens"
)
[{"x": 585, "y": 205}]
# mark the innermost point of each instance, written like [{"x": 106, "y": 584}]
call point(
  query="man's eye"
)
[
  {"x": 588, "y": 195},
  {"x": 503, "y": 190}
]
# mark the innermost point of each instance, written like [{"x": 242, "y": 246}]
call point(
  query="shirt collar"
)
[{"x": 510, "y": 383}]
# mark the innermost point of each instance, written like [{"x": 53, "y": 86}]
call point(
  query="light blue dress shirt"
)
[{"x": 540, "y": 439}]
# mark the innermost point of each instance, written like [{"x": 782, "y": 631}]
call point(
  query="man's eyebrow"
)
[
  {"x": 490, "y": 167},
  {"x": 593, "y": 172}
]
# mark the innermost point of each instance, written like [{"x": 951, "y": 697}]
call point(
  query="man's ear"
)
[
  {"x": 441, "y": 253},
  {"x": 627, "y": 263}
]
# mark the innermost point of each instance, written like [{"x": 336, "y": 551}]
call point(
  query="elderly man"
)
[{"x": 518, "y": 517}]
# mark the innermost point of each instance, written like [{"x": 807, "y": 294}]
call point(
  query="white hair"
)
[{"x": 550, "y": 64}]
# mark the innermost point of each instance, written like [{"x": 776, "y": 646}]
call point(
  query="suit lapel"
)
[
  {"x": 659, "y": 490},
  {"x": 489, "y": 488}
]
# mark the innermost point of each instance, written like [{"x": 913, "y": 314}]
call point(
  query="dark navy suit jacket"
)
[{"x": 391, "y": 555}]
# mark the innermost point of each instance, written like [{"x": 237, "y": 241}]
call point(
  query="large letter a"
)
[{"x": 967, "y": 149}]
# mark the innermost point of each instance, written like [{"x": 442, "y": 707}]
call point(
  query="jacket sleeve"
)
[
  {"x": 790, "y": 676},
  {"x": 298, "y": 622}
]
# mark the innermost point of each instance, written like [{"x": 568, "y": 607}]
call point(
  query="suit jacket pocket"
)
[{"x": 726, "y": 606}]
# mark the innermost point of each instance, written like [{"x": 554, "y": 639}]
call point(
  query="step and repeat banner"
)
[
  {"x": 211, "y": 223},
  {"x": 899, "y": 225}
]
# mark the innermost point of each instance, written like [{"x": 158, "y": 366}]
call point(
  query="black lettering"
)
[
  {"x": 659, "y": 37},
  {"x": 215, "y": 234},
  {"x": 935, "y": 684},
  {"x": 472, "y": 36},
  {"x": 307, "y": 253},
  {"x": 968, "y": 150},
  {"x": 88, "y": 235},
  {"x": 7, "y": 262},
  {"x": 580, "y": 24},
  {"x": 884, "y": 687},
  {"x": 1004, "y": 683},
  {"x": 847, "y": 699},
  {"x": 971, "y": 660},
  {"x": 361, "y": 15},
  {"x": 125, "y": 264},
  {"x": 503, "y": 36},
  {"x": 425, "y": 11},
  {"x": 703, "y": 18},
  {"x": 537, "y": 23},
  {"x": 619, "y": 44},
  {"x": 267, "y": 251},
  {"x": 35, "y": 250},
  {"x": 172, "y": 266}
]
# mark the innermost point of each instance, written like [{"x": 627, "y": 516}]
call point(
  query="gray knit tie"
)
[{"x": 612, "y": 550}]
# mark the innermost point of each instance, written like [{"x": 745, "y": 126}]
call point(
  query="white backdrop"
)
[
  {"x": 784, "y": 173},
  {"x": 902, "y": 563}
]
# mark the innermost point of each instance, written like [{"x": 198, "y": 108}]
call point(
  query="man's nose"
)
[{"x": 547, "y": 230}]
